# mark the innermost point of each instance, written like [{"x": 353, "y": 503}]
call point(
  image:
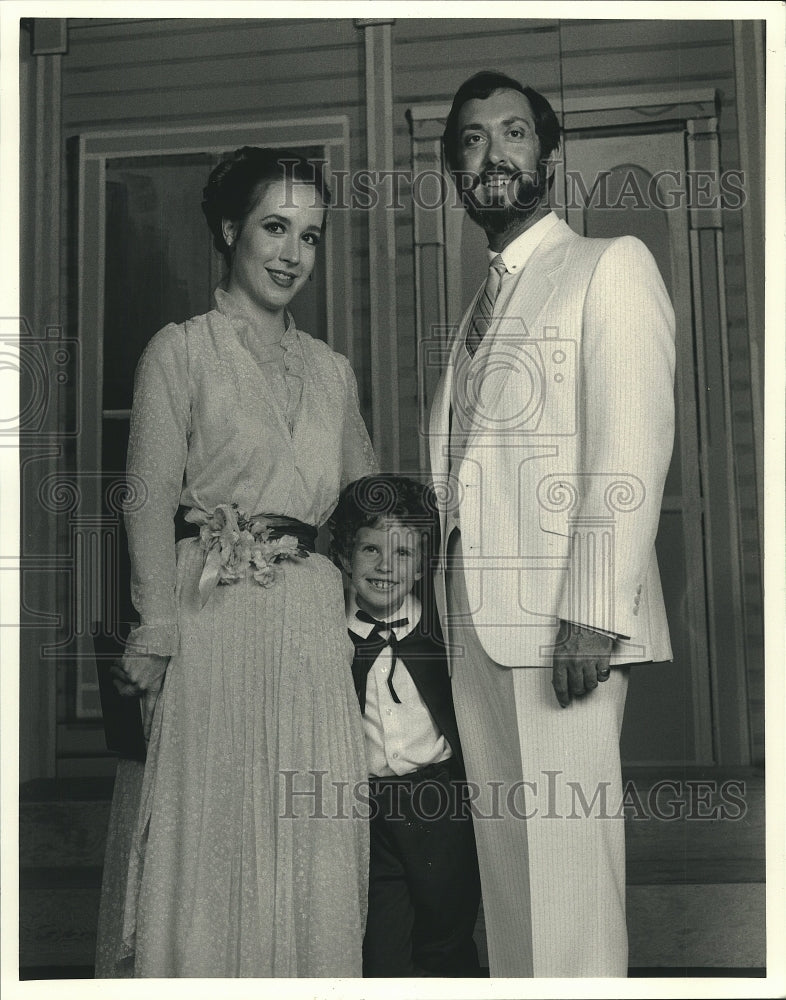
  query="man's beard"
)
[{"x": 521, "y": 198}]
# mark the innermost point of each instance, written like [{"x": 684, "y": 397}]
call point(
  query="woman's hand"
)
[
  {"x": 137, "y": 673},
  {"x": 123, "y": 683},
  {"x": 141, "y": 676}
]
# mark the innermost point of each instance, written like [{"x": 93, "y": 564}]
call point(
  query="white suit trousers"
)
[{"x": 548, "y": 819}]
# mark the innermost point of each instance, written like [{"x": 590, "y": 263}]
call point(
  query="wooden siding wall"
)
[{"x": 125, "y": 73}]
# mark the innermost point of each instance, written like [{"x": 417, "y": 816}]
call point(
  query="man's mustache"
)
[
  {"x": 512, "y": 176},
  {"x": 521, "y": 186}
]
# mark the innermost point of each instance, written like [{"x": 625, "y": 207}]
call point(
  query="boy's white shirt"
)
[{"x": 399, "y": 737}]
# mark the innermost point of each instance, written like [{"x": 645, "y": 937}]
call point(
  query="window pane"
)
[{"x": 158, "y": 258}]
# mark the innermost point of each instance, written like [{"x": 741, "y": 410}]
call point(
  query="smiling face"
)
[
  {"x": 275, "y": 246},
  {"x": 385, "y": 564},
  {"x": 499, "y": 169}
]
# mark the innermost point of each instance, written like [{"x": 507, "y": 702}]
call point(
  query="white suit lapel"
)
[{"x": 535, "y": 288}]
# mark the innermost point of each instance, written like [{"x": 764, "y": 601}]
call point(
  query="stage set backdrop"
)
[{"x": 122, "y": 120}]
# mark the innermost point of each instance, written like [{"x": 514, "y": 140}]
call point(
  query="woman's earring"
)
[{"x": 311, "y": 276}]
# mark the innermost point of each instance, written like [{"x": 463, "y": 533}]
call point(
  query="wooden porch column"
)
[
  {"x": 383, "y": 325},
  {"x": 751, "y": 116},
  {"x": 40, "y": 325},
  {"x": 731, "y": 731}
]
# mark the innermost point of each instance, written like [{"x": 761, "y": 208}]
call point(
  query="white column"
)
[
  {"x": 751, "y": 119},
  {"x": 383, "y": 320},
  {"x": 40, "y": 440}
]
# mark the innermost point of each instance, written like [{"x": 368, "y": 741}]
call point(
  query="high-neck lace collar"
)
[{"x": 243, "y": 322}]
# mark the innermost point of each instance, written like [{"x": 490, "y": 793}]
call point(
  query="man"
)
[{"x": 553, "y": 428}]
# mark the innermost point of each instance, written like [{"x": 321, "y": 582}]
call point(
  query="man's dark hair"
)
[
  {"x": 367, "y": 502},
  {"x": 483, "y": 85}
]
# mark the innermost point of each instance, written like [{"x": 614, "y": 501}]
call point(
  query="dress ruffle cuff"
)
[{"x": 159, "y": 640}]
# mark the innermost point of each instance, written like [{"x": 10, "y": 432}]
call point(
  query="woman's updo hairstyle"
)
[{"x": 237, "y": 184}]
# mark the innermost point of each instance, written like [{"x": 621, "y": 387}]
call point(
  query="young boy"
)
[{"x": 424, "y": 888}]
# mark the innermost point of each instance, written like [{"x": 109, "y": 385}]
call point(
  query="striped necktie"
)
[{"x": 484, "y": 310}]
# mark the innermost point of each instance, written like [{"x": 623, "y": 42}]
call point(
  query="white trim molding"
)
[{"x": 383, "y": 319}]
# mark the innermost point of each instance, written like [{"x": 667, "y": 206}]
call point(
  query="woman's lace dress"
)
[{"x": 228, "y": 872}]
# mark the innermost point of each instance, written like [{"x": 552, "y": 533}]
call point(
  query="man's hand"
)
[{"x": 581, "y": 659}]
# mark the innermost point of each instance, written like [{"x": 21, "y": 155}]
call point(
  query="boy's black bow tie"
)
[
  {"x": 374, "y": 644},
  {"x": 380, "y": 626}
]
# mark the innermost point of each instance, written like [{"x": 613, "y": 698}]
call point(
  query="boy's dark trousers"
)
[{"x": 424, "y": 887}]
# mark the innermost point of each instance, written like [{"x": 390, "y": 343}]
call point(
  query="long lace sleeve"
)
[
  {"x": 157, "y": 450},
  {"x": 357, "y": 457}
]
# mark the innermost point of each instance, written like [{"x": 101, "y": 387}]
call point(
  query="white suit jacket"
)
[{"x": 564, "y": 436}]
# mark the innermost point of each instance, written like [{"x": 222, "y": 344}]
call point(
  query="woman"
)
[{"x": 245, "y": 428}]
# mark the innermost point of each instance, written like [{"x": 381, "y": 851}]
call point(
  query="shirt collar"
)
[
  {"x": 516, "y": 254},
  {"x": 410, "y": 608}
]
